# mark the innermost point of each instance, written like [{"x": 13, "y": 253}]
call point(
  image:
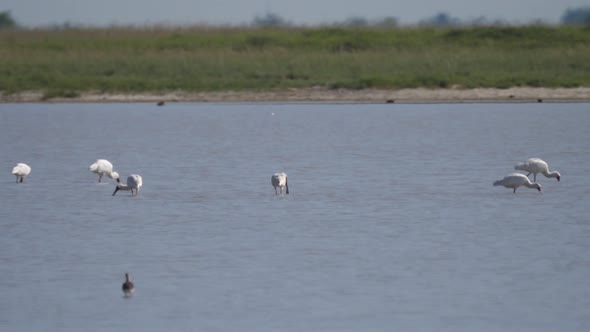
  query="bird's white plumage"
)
[
  {"x": 280, "y": 181},
  {"x": 103, "y": 167},
  {"x": 516, "y": 180},
  {"x": 535, "y": 166},
  {"x": 134, "y": 182},
  {"x": 21, "y": 170}
]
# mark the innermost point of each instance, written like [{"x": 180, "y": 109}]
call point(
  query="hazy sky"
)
[{"x": 106, "y": 12}]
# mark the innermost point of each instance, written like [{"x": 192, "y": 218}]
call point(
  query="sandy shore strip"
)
[{"x": 519, "y": 94}]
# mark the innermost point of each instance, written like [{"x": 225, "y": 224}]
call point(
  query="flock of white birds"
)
[
  {"x": 279, "y": 181},
  {"x": 532, "y": 166},
  {"x": 103, "y": 167}
]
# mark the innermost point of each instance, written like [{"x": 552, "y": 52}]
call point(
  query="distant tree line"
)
[
  {"x": 275, "y": 20},
  {"x": 572, "y": 16},
  {"x": 575, "y": 16},
  {"x": 439, "y": 19},
  {"x": 6, "y": 20}
]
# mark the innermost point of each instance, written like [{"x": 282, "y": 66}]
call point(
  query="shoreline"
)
[{"x": 418, "y": 95}]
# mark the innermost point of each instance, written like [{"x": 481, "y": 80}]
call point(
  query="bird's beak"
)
[{"x": 558, "y": 178}]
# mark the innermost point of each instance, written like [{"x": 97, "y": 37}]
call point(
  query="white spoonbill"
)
[
  {"x": 103, "y": 167},
  {"x": 128, "y": 287},
  {"x": 516, "y": 180},
  {"x": 20, "y": 171},
  {"x": 536, "y": 165},
  {"x": 134, "y": 181},
  {"x": 279, "y": 180}
]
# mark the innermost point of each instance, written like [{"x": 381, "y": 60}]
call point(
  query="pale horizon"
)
[{"x": 35, "y": 13}]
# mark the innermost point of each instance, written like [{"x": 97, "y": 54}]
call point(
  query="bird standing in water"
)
[
  {"x": 128, "y": 287},
  {"x": 20, "y": 171},
  {"x": 279, "y": 180},
  {"x": 103, "y": 167},
  {"x": 516, "y": 180},
  {"x": 134, "y": 182},
  {"x": 535, "y": 166}
]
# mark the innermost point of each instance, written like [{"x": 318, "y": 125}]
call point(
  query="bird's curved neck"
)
[{"x": 553, "y": 174}]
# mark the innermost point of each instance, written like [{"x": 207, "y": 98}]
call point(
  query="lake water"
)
[{"x": 391, "y": 224}]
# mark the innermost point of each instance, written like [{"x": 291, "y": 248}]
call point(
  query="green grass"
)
[{"x": 67, "y": 62}]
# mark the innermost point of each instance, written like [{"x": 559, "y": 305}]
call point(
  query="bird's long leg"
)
[
  {"x": 22, "y": 178},
  {"x": 535, "y": 177},
  {"x": 514, "y": 192},
  {"x": 276, "y": 191},
  {"x": 99, "y": 178}
]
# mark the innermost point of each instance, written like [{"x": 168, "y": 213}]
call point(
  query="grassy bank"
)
[{"x": 67, "y": 62}]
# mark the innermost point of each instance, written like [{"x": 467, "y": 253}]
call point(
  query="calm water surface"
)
[{"x": 392, "y": 223}]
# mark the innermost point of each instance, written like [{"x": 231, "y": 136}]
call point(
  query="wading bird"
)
[
  {"x": 20, "y": 171},
  {"x": 134, "y": 182},
  {"x": 103, "y": 167},
  {"x": 516, "y": 180},
  {"x": 279, "y": 180},
  {"x": 536, "y": 165}
]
